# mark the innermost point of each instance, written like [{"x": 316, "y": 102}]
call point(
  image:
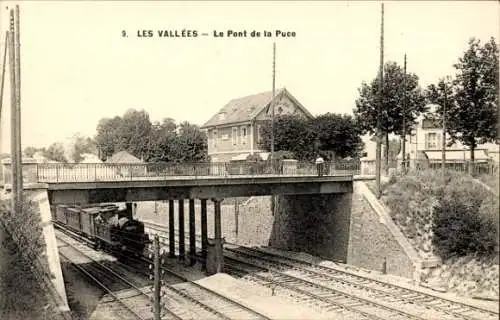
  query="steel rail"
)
[
  {"x": 104, "y": 287},
  {"x": 420, "y": 297},
  {"x": 109, "y": 270},
  {"x": 378, "y": 282}
]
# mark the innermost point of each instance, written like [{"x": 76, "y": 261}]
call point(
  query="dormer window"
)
[{"x": 222, "y": 116}]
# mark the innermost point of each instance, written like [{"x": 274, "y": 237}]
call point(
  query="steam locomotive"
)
[{"x": 106, "y": 226}]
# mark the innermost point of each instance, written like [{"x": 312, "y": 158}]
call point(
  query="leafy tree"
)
[
  {"x": 135, "y": 131},
  {"x": 55, "y": 152},
  {"x": 30, "y": 151},
  {"x": 339, "y": 134},
  {"x": 191, "y": 143},
  {"x": 395, "y": 91},
  {"x": 292, "y": 133},
  {"x": 108, "y": 139},
  {"x": 472, "y": 118},
  {"x": 328, "y": 134},
  {"x": 162, "y": 141},
  {"x": 79, "y": 146}
]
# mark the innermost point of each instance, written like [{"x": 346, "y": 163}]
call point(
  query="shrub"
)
[
  {"x": 459, "y": 227},
  {"x": 464, "y": 214}
]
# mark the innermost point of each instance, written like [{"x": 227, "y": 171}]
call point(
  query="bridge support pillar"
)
[
  {"x": 215, "y": 259},
  {"x": 204, "y": 233},
  {"x": 192, "y": 233},
  {"x": 182, "y": 248},
  {"x": 171, "y": 229}
]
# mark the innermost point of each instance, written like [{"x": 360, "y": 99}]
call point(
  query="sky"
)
[{"x": 76, "y": 67}]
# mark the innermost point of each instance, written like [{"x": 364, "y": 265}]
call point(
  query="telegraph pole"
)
[
  {"x": 404, "y": 119},
  {"x": 272, "y": 105},
  {"x": 443, "y": 156},
  {"x": 18, "y": 112},
  {"x": 379, "y": 108},
  {"x": 3, "y": 81},
  {"x": 13, "y": 123},
  {"x": 157, "y": 280}
]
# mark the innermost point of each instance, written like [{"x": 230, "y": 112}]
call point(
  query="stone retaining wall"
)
[
  {"x": 33, "y": 234},
  {"x": 375, "y": 242}
]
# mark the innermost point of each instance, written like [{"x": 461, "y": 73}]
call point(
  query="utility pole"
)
[
  {"x": 404, "y": 119},
  {"x": 3, "y": 81},
  {"x": 13, "y": 123},
  {"x": 381, "y": 93},
  {"x": 157, "y": 280},
  {"x": 272, "y": 105},
  {"x": 18, "y": 112},
  {"x": 443, "y": 156}
]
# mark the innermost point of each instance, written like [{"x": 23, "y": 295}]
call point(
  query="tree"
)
[
  {"x": 134, "y": 131},
  {"x": 396, "y": 87},
  {"x": 472, "y": 118},
  {"x": 339, "y": 134},
  {"x": 80, "y": 145},
  {"x": 163, "y": 138},
  {"x": 292, "y": 133},
  {"x": 108, "y": 139},
  {"x": 30, "y": 151},
  {"x": 328, "y": 134},
  {"x": 191, "y": 144},
  {"x": 55, "y": 152}
]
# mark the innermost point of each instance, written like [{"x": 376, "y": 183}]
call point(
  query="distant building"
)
[
  {"x": 90, "y": 158},
  {"x": 126, "y": 164},
  {"x": 123, "y": 157},
  {"x": 234, "y": 131},
  {"x": 424, "y": 146}
]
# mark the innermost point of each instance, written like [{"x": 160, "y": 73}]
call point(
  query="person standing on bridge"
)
[{"x": 319, "y": 165}]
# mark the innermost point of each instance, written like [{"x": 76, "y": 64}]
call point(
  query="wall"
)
[
  {"x": 225, "y": 139},
  {"x": 33, "y": 233},
  {"x": 375, "y": 239},
  {"x": 316, "y": 224},
  {"x": 352, "y": 228},
  {"x": 255, "y": 221}
]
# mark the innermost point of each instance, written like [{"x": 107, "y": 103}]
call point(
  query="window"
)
[
  {"x": 234, "y": 136},
  {"x": 214, "y": 138},
  {"x": 222, "y": 116},
  {"x": 431, "y": 140},
  {"x": 259, "y": 137},
  {"x": 243, "y": 135}
]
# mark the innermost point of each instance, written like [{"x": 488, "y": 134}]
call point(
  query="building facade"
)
[
  {"x": 234, "y": 132},
  {"x": 424, "y": 146}
]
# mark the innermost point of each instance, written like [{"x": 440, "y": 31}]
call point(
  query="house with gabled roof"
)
[
  {"x": 125, "y": 164},
  {"x": 234, "y": 132},
  {"x": 123, "y": 157}
]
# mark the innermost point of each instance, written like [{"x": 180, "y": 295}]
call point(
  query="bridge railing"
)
[{"x": 94, "y": 172}]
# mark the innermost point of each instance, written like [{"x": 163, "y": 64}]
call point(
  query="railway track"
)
[
  {"x": 385, "y": 291},
  {"x": 110, "y": 281},
  {"x": 187, "y": 300},
  {"x": 347, "y": 305},
  {"x": 395, "y": 301}
]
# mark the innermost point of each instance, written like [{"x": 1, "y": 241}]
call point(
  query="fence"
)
[
  {"x": 478, "y": 168},
  {"x": 154, "y": 171}
]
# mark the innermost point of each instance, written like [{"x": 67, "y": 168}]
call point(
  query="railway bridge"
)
[{"x": 309, "y": 204}]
